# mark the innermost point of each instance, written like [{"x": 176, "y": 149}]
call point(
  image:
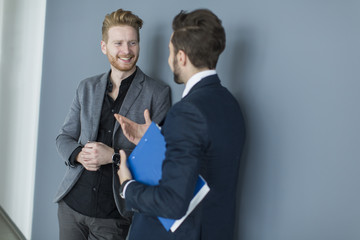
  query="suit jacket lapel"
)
[
  {"x": 99, "y": 93},
  {"x": 131, "y": 96}
]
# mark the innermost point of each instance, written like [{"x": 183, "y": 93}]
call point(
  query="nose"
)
[{"x": 125, "y": 49}]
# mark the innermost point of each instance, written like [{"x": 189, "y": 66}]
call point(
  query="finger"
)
[
  {"x": 147, "y": 116},
  {"x": 89, "y": 167},
  {"x": 93, "y": 169},
  {"x": 89, "y": 145},
  {"x": 86, "y": 150},
  {"x": 123, "y": 126},
  {"x": 126, "y": 127},
  {"x": 121, "y": 119},
  {"x": 117, "y": 117},
  {"x": 90, "y": 162},
  {"x": 122, "y": 157},
  {"x": 81, "y": 157}
]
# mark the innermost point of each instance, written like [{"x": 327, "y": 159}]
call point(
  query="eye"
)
[{"x": 133, "y": 43}]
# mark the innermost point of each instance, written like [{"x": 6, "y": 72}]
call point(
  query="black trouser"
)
[{"x": 75, "y": 226}]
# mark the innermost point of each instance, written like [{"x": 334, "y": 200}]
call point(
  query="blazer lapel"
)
[
  {"x": 99, "y": 93},
  {"x": 132, "y": 95}
]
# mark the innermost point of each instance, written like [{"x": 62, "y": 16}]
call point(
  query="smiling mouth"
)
[{"x": 126, "y": 59}]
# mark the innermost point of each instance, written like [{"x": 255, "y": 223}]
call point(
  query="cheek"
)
[
  {"x": 111, "y": 51},
  {"x": 170, "y": 62},
  {"x": 135, "y": 50}
]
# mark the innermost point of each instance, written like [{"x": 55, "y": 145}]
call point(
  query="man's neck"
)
[
  {"x": 192, "y": 72},
  {"x": 117, "y": 76}
]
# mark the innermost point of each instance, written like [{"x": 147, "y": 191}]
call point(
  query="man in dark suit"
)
[
  {"x": 204, "y": 134},
  {"x": 88, "y": 197}
]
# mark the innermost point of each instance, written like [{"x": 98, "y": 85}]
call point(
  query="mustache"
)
[{"x": 126, "y": 56}]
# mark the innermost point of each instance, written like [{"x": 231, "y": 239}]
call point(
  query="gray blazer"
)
[{"x": 82, "y": 122}]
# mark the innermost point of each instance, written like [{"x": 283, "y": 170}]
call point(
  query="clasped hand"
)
[{"x": 95, "y": 154}]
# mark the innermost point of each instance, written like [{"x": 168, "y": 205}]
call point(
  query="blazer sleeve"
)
[{"x": 185, "y": 135}]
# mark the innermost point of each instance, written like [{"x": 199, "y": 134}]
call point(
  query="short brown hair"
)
[
  {"x": 118, "y": 18},
  {"x": 200, "y": 35}
]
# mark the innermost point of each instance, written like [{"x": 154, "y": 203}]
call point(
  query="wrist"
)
[{"x": 115, "y": 159}]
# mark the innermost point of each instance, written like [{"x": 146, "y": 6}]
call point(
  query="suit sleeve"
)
[{"x": 185, "y": 135}]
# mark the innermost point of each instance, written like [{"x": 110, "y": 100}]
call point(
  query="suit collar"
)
[
  {"x": 207, "y": 81},
  {"x": 195, "y": 79}
]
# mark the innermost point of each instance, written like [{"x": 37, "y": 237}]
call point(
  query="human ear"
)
[
  {"x": 181, "y": 57},
  {"x": 103, "y": 47}
]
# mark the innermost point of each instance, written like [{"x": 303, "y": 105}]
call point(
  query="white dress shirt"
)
[{"x": 195, "y": 79}]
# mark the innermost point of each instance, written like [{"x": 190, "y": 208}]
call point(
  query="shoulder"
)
[
  {"x": 184, "y": 111},
  {"x": 92, "y": 81},
  {"x": 150, "y": 82},
  {"x": 186, "y": 123}
]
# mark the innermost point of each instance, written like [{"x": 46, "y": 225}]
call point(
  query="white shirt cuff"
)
[{"x": 122, "y": 194}]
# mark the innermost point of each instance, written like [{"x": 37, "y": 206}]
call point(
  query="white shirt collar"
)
[{"x": 195, "y": 79}]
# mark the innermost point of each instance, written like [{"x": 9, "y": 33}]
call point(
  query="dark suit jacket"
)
[
  {"x": 82, "y": 122},
  {"x": 204, "y": 134}
]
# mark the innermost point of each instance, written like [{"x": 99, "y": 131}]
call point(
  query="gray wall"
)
[{"x": 294, "y": 68}]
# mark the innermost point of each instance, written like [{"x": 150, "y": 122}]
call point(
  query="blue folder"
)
[{"x": 145, "y": 164}]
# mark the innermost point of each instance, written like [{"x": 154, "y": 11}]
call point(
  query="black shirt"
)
[{"x": 92, "y": 194}]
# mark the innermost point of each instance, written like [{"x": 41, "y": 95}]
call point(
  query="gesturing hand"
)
[{"x": 132, "y": 130}]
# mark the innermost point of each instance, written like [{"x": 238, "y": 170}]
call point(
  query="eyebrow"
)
[{"x": 122, "y": 40}]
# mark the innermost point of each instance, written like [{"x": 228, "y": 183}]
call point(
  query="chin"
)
[{"x": 125, "y": 68}]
